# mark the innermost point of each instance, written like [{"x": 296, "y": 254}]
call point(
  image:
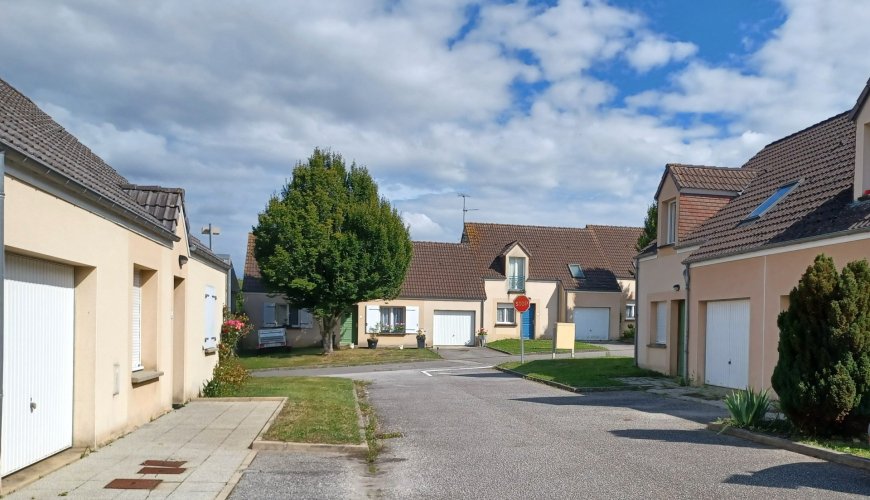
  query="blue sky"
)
[{"x": 545, "y": 112}]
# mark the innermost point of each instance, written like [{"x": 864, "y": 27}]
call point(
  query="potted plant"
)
[
  {"x": 421, "y": 339},
  {"x": 372, "y": 341},
  {"x": 481, "y": 337}
]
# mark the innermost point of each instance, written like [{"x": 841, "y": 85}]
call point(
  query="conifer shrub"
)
[{"x": 823, "y": 373}]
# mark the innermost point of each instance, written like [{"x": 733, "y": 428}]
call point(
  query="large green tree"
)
[
  {"x": 329, "y": 241},
  {"x": 650, "y": 227},
  {"x": 822, "y": 376}
]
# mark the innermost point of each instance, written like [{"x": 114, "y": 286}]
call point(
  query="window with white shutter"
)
[
  {"x": 136, "y": 340},
  {"x": 212, "y": 326},
  {"x": 269, "y": 314},
  {"x": 661, "y": 322}
]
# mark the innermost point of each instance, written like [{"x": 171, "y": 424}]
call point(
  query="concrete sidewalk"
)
[{"x": 211, "y": 437}]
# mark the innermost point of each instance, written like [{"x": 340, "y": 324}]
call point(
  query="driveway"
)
[{"x": 471, "y": 432}]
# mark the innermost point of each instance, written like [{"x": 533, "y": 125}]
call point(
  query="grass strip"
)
[
  {"x": 589, "y": 372},
  {"x": 318, "y": 410},
  {"x": 371, "y": 423},
  {"x": 313, "y": 357},
  {"x": 512, "y": 346},
  {"x": 782, "y": 428}
]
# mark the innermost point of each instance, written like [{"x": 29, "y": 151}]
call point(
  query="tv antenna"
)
[{"x": 465, "y": 210}]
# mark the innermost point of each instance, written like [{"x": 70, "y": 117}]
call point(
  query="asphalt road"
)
[{"x": 477, "y": 433}]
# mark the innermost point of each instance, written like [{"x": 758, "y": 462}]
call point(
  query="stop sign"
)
[{"x": 521, "y": 303}]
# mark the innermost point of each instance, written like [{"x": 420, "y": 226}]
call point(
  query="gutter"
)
[
  {"x": 687, "y": 277},
  {"x": 636, "y": 307},
  {"x": 2, "y": 273}
]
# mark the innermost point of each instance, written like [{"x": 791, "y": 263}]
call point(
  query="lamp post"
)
[{"x": 211, "y": 231}]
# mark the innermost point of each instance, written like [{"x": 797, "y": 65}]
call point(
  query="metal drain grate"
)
[{"x": 133, "y": 484}]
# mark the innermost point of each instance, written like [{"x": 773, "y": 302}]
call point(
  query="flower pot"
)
[
  {"x": 373, "y": 343},
  {"x": 481, "y": 340},
  {"x": 421, "y": 342}
]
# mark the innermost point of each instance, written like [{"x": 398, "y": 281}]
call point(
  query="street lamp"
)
[{"x": 210, "y": 230}]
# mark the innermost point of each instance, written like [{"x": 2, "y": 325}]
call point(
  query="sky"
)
[{"x": 559, "y": 112}]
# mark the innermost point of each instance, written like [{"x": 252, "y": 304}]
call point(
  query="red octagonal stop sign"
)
[{"x": 521, "y": 303}]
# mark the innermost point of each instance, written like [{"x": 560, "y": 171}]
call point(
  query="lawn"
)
[
  {"x": 312, "y": 357},
  {"x": 318, "y": 410},
  {"x": 590, "y": 372},
  {"x": 512, "y": 346}
]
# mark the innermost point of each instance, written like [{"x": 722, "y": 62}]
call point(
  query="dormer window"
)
[
  {"x": 671, "y": 228},
  {"x": 767, "y": 204},
  {"x": 516, "y": 273},
  {"x": 576, "y": 271}
]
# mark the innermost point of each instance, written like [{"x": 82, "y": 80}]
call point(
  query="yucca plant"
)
[{"x": 747, "y": 407}]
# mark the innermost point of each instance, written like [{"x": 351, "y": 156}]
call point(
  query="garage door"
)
[
  {"x": 38, "y": 361},
  {"x": 727, "y": 357},
  {"x": 591, "y": 323},
  {"x": 453, "y": 328}
]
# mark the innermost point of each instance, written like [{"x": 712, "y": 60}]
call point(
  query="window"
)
[
  {"x": 661, "y": 322},
  {"x": 393, "y": 319},
  {"x": 630, "y": 311},
  {"x": 576, "y": 271},
  {"x": 212, "y": 326},
  {"x": 516, "y": 273},
  {"x": 136, "y": 361},
  {"x": 276, "y": 314},
  {"x": 505, "y": 314},
  {"x": 672, "y": 222},
  {"x": 770, "y": 202}
]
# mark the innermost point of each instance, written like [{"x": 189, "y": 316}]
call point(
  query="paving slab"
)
[{"x": 211, "y": 437}]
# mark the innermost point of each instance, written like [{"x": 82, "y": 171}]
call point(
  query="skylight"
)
[
  {"x": 770, "y": 202},
  {"x": 576, "y": 270}
]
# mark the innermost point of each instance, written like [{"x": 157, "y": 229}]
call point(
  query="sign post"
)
[{"x": 521, "y": 304}]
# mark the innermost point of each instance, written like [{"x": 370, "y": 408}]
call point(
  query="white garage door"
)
[
  {"x": 453, "y": 328},
  {"x": 38, "y": 361},
  {"x": 727, "y": 359},
  {"x": 591, "y": 323}
]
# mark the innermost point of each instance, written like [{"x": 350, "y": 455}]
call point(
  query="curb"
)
[
  {"x": 571, "y": 388},
  {"x": 787, "y": 444}
]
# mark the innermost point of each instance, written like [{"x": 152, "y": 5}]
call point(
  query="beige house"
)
[
  {"x": 111, "y": 310},
  {"x": 709, "y": 296},
  {"x": 454, "y": 289}
]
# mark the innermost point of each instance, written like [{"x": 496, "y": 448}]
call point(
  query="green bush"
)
[
  {"x": 823, "y": 373},
  {"x": 747, "y": 407},
  {"x": 229, "y": 375},
  {"x": 628, "y": 334}
]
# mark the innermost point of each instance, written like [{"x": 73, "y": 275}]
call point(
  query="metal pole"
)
[
  {"x": 522, "y": 342},
  {"x": 209, "y": 235}
]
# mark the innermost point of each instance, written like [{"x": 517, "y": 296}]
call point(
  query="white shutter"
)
[
  {"x": 373, "y": 317},
  {"x": 412, "y": 319},
  {"x": 306, "y": 320},
  {"x": 136, "y": 340},
  {"x": 269, "y": 314},
  {"x": 661, "y": 322},
  {"x": 212, "y": 330}
]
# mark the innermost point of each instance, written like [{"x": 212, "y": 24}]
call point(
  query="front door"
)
[
  {"x": 348, "y": 328},
  {"x": 528, "y": 325}
]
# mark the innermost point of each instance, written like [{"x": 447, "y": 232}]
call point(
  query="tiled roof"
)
[
  {"x": 822, "y": 157},
  {"x": 710, "y": 178},
  {"x": 617, "y": 243},
  {"x": 251, "y": 282},
  {"x": 443, "y": 271},
  {"x": 551, "y": 250},
  {"x": 28, "y": 130},
  {"x": 162, "y": 203}
]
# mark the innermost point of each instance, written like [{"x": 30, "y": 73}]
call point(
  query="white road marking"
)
[{"x": 426, "y": 372}]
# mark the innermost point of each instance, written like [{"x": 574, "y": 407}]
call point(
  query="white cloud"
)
[{"x": 652, "y": 52}]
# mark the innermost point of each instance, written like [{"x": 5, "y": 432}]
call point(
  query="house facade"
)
[
  {"x": 803, "y": 195},
  {"x": 111, "y": 310}
]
